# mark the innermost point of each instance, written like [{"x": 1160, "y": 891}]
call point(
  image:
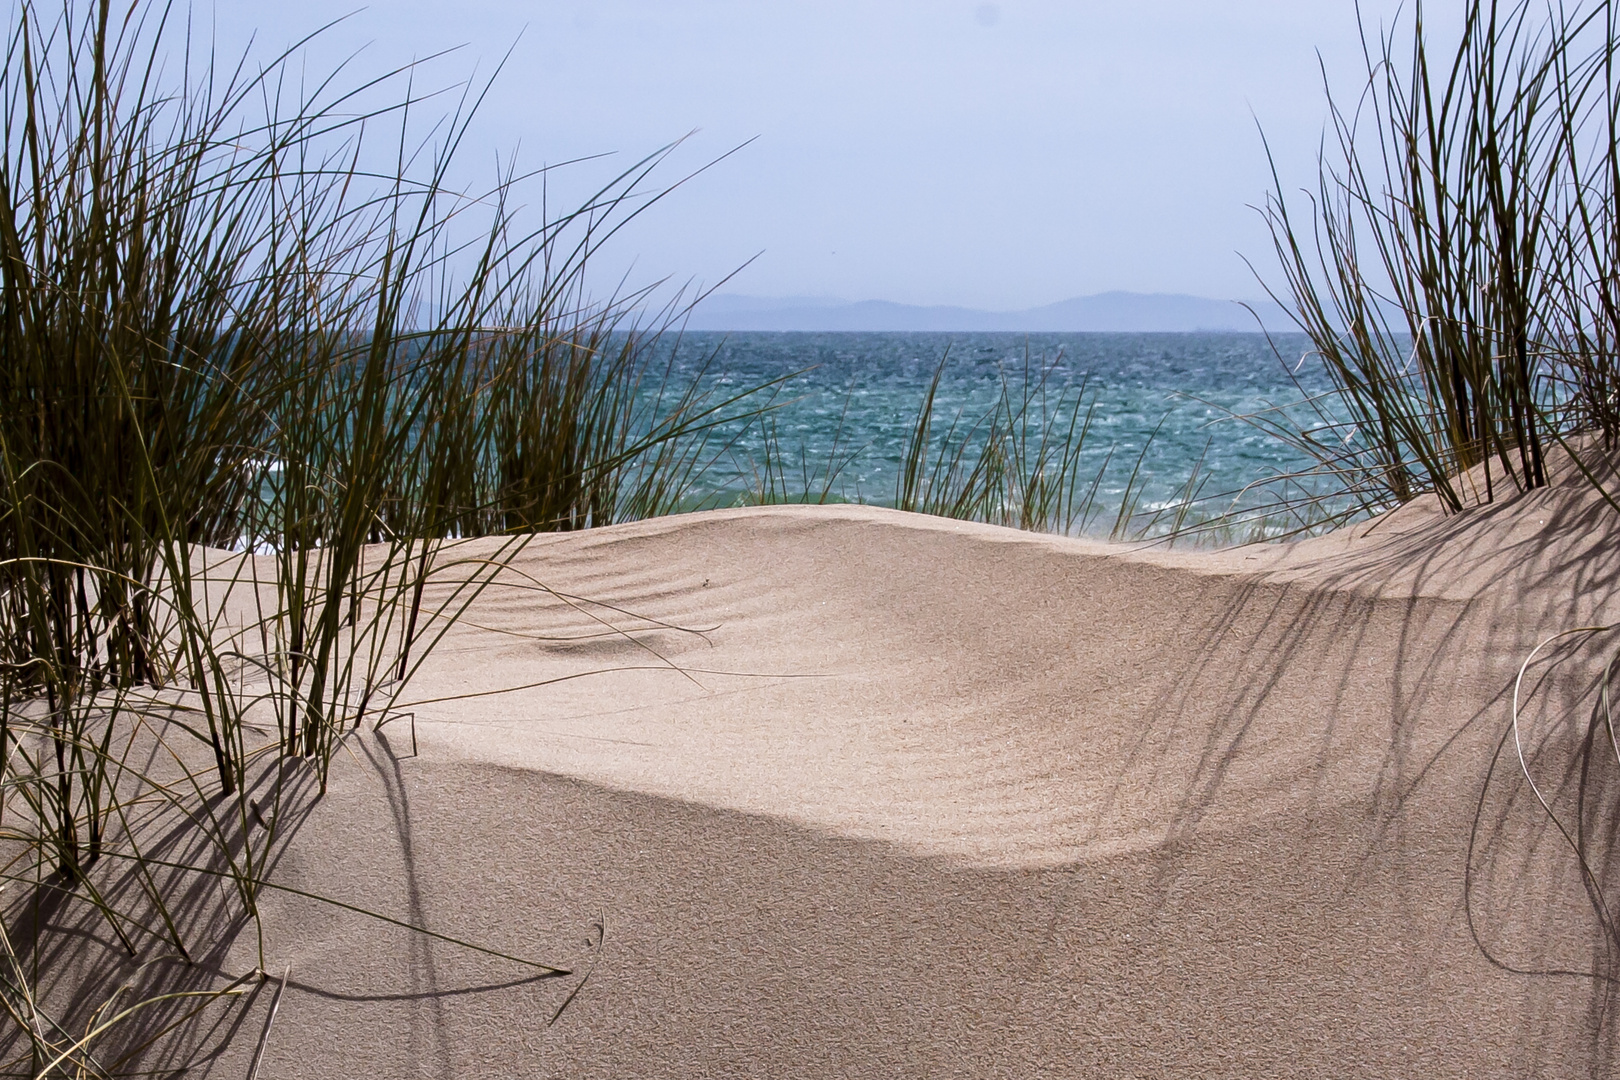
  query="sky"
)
[{"x": 992, "y": 155}]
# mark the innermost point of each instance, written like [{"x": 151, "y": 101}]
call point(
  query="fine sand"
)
[{"x": 860, "y": 793}]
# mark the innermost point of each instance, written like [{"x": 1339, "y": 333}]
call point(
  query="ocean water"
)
[{"x": 1169, "y": 401}]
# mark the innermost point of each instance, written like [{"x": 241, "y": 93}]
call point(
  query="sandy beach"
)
[
  {"x": 427, "y": 652},
  {"x": 859, "y": 793}
]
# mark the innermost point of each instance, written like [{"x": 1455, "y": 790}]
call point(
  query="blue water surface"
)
[{"x": 852, "y": 399}]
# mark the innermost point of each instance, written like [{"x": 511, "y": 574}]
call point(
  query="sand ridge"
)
[{"x": 855, "y": 792}]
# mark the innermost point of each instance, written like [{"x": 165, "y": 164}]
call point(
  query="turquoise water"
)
[{"x": 853, "y": 398}]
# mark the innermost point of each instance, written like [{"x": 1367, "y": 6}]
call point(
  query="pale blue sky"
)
[{"x": 935, "y": 152}]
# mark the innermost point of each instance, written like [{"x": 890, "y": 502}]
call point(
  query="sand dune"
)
[{"x": 860, "y": 793}]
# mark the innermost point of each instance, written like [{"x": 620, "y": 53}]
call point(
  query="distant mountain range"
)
[{"x": 1110, "y": 311}]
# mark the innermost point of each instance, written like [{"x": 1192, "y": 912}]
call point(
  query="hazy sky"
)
[{"x": 998, "y": 155}]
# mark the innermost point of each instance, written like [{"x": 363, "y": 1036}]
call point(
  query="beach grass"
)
[
  {"x": 1455, "y": 265},
  {"x": 1458, "y": 270},
  {"x": 267, "y": 374},
  {"x": 1017, "y": 463}
]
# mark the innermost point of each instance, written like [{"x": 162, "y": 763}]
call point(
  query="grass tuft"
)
[
  {"x": 1455, "y": 267},
  {"x": 259, "y": 393}
]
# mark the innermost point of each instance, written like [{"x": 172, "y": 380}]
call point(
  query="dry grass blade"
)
[{"x": 269, "y": 1022}]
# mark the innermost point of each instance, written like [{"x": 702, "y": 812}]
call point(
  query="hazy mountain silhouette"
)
[{"x": 1110, "y": 311}]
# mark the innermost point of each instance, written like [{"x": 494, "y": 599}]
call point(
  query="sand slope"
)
[{"x": 936, "y": 799}]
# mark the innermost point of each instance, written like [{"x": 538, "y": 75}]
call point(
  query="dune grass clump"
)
[
  {"x": 1459, "y": 273},
  {"x": 1025, "y": 461},
  {"x": 265, "y": 375},
  {"x": 1015, "y": 464},
  {"x": 1457, "y": 266}
]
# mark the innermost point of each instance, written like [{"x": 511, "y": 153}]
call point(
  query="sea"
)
[{"x": 1174, "y": 417}]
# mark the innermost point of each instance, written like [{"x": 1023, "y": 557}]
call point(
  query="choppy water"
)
[{"x": 859, "y": 393}]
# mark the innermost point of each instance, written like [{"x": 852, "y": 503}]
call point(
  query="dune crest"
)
[{"x": 855, "y": 792}]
